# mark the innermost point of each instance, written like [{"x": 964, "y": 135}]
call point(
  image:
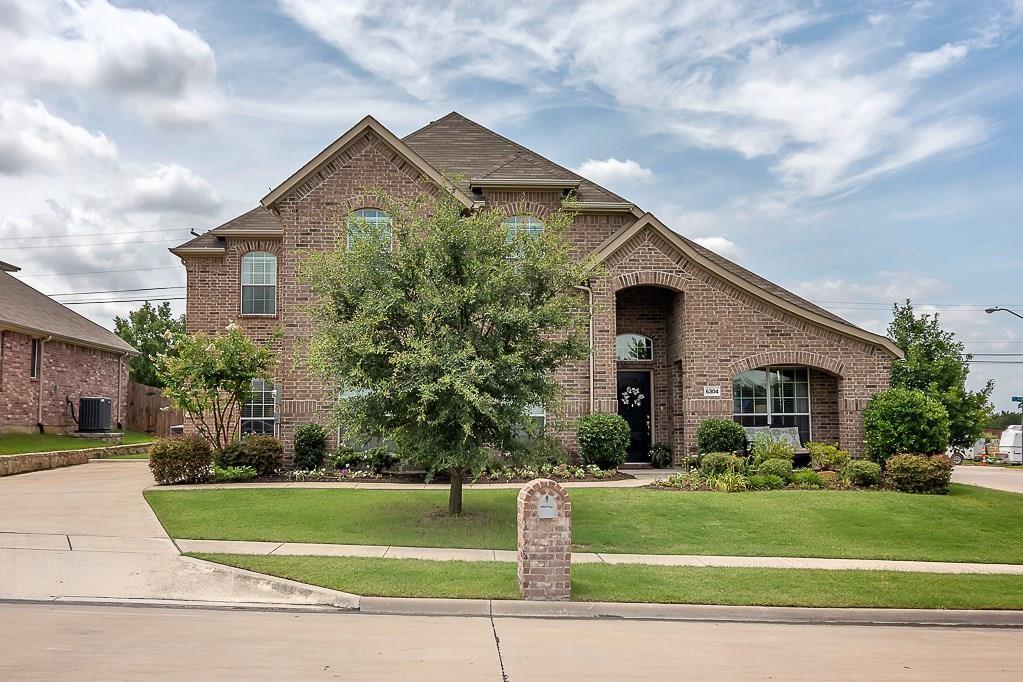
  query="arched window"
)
[
  {"x": 259, "y": 283},
  {"x": 366, "y": 222},
  {"x": 522, "y": 224},
  {"x": 634, "y": 347}
]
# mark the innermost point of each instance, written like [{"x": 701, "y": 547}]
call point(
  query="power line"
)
[
  {"x": 116, "y": 291},
  {"x": 125, "y": 300},
  {"x": 94, "y": 234},
  {"x": 995, "y": 362},
  {"x": 74, "y": 246},
  {"x": 98, "y": 272}
]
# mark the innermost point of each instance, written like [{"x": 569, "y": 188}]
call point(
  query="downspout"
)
[
  {"x": 39, "y": 417},
  {"x": 589, "y": 295}
]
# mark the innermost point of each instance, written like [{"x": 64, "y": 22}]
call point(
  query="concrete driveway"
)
[
  {"x": 999, "y": 478},
  {"x": 85, "y": 532}
]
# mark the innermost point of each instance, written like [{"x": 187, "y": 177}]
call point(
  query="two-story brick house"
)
[{"x": 679, "y": 333}]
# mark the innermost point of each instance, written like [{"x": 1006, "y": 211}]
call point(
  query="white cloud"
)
[
  {"x": 147, "y": 61},
  {"x": 171, "y": 188},
  {"x": 612, "y": 172},
  {"x": 926, "y": 64},
  {"x": 721, "y": 245},
  {"x": 32, "y": 140}
]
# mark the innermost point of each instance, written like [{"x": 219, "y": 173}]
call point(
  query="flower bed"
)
[{"x": 561, "y": 473}]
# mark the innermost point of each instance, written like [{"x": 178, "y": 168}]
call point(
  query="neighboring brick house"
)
[
  {"x": 694, "y": 334},
  {"x": 50, "y": 355}
]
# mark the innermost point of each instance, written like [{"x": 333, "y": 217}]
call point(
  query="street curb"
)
[
  {"x": 178, "y": 604},
  {"x": 690, "y": 612}
]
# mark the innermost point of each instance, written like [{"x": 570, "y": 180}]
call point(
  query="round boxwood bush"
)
[
  {"x": 776, "y": 467},
  {"x": 904, "y": 420},
  {"x": 919, "y": 473},
  {"x": 766, "y": 482},
  {"x": 310, "y": 446},
  {"x": 720, "y": 435},
  {"x": 827, "y": 457},
  {"x": 185, "y": 459},
  {"x": 718, "y": 463},
  {"x": 265, "y": 454},
  {"x": 861, "y": 473},
  {"x": 808, "y": 479},
  {"x": 603, "y": 440}
]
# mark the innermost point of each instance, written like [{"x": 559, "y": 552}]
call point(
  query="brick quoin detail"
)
[{"x": 545, "y": 544}]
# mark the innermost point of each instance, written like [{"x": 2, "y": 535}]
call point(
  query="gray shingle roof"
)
[
  {"x": 456, "y": 145},
  {"x": 257, "y": 219},
  {"x": 24, "y": 308}
]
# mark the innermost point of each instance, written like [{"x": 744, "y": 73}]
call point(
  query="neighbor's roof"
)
[
  {"x": 456, "y": 145},
  {"x": 23, "y": 309}
]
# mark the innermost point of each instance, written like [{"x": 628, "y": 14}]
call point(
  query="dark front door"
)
[{"x": 634, "y": 398}]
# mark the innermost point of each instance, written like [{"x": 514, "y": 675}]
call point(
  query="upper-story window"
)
[
  {"x": 259, "y": 283},
  {"x": 366, "y": 222},
  {"x": 522, "y": 224},
  {"x": 634, "y": 347}
]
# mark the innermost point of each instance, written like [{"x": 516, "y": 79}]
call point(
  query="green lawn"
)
[
  {"x": 20, "y": 443},
  {"x": 681, "y": 585},
  {"x": 970, "y": 524}
]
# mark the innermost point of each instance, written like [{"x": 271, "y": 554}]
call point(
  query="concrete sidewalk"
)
[{"x": 452, "y": 554}]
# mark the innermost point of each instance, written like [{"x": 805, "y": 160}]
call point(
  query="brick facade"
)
[
  {"x": 68, "y": 371},
  {"x": 705, "y": 329}
]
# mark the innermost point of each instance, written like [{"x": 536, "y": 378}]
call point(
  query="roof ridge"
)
[{"x": 517, "y": 146}]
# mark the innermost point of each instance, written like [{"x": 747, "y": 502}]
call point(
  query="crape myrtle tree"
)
[
  {"x": 209, "y": 377},
  {"x": 441, "y": 344},
  {"x": 938, "y": 364}
]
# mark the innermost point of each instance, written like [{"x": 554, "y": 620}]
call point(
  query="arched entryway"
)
[{"x": 648, "y": 321}]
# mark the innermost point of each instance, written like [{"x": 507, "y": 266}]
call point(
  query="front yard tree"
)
[
  {"x": 146, "y": 329},
  {"x": 441, "y": 344},
  {"x": 938, "y": 364},
  {"x": 209, "y": 377}
]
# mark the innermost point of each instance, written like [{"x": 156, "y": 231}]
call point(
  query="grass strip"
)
[
  {"x": 970, "y": 524},
  {"x": 22, "y": 443},
  {"x": 635, "y": 583}
]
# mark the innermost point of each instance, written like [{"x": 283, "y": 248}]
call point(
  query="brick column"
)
[{"x": 545, "y": 541}]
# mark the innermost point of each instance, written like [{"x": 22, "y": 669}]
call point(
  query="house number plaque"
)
[
  {"x": 547, "y": 508},
  {"x": 711, "y": 391}
]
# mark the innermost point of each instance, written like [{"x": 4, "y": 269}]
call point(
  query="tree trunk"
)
[{"x": 455, "y": 493}]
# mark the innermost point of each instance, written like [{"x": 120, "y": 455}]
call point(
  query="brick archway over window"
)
[
  {"x": 787, "y": 357},
  {"x": 655, "y": 278}
]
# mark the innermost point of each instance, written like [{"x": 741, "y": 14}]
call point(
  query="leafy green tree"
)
[
  {"x": 938, "y": 364},
  {"x": 441, "y": 344},
  {"x": 904, "y": 420},
  {"x": 146, "y": 329},
  {"x": 209, "y": 377},
  {"x": 1002, "y": 420}
]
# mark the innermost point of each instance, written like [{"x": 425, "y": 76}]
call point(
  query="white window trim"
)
[
  {"x": 275, "y": 393},
  {"x": 241, "y": 290},
  {"x": 354, "y": 216}
]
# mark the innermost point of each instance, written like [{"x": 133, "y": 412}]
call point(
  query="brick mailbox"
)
[{"x": 545, "y": 541}]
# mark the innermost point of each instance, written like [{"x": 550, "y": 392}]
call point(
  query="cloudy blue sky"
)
[{"x": 856, "y": 152}]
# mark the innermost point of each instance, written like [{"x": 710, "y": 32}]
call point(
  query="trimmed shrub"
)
[
  {"x": 310, "y": 446},
  {"x": 919, "y": 473},
  {"x": 808, "y": 480},
  {"x": 265, "y": 454},
  {"x": 186, "y": 459},
  {"x": 826, "y": 457},
  {"x": 862, "y": 473},
  {"x": 233, "y": 474},
  {"x": 764, "y": 448},
  {"x": 603, "y": 440},
  {"x": 904, "y": 420},
  {"x": 776, "y": 467},
  {"x": 661, "y": 456},
  {"x": 717, "y": 463},
  {"x": 720, "y": 435},
  {"x": 544, "y": 450},
  {"x": 766, "y": 482},
  {"x": 376, "y": 460}
]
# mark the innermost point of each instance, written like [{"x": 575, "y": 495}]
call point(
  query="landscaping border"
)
[{"x": 11, "y": 465}]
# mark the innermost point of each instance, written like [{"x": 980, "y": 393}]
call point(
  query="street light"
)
[{"x": 996, "y": 309}]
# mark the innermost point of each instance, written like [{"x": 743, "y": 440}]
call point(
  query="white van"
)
[{"x": 1011, "y": 444}]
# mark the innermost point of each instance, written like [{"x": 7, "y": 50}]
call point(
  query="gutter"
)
[{"x": 589, "y": 296}]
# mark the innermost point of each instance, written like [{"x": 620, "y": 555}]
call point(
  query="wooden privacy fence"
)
[{"x": 146, "y": 413}]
